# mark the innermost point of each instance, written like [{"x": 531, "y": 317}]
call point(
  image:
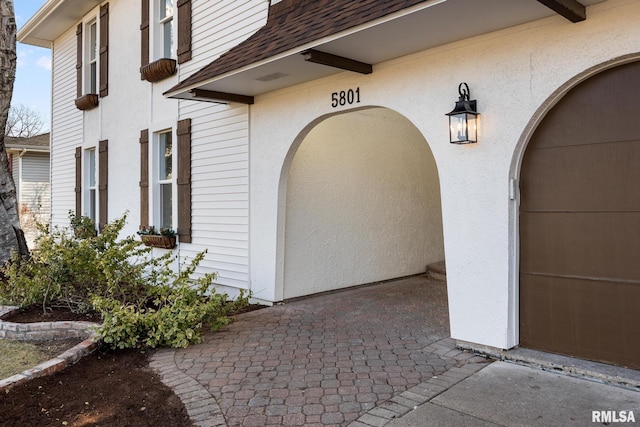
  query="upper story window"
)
[
  {"x": 91, "y": 79},
  {"x": 165, "y": 37},
  {"x": 165, "y": 33},
  {"x": 92, "y": 63}
]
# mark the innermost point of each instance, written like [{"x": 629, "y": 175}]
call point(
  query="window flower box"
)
[
  {"x": 159, "y": 241},
  {"x": 87, "y": 102},
  {"x": 165, "y": 238},
  {"x": 158, "y": 70}
]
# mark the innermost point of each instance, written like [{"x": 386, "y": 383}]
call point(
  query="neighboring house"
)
[
  {"x": 305, "y": 145},
  {"x": 29, "y": 161}
]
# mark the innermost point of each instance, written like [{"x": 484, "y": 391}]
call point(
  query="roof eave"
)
[
  {"x": 186, "y": 92},
  {"x": 52, "y": 20},
  {"x": 241, "y": 80},
  {"x": 178, "y": 92},
  {"x": 29, "y": 149}
]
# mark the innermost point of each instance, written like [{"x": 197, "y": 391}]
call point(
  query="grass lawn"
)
[{"x": 16, "y": 356}]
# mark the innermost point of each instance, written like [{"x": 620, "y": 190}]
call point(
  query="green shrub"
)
[
  {"x": 69, "y": 270},
  {"x": 173, "y": 315},
  {"x": 143, "y": 302},
  {"x": 83, "y": 227}
]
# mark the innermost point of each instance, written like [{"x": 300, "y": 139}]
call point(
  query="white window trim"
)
[
  {"x": 86, "y": 199},
  {"x": 157, "y": 42},
  {"x": 155, "y": 209},
  {"x": 93, "y": 56},
  {"x": 86, "y": 60}
]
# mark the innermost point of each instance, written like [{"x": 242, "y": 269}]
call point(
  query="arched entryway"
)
[
  {"x": 580, "y": 223},
  {"x": 362, "y": 203}
]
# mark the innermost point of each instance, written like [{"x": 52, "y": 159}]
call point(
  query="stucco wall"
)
[
  {"x": 363, "y": 204},
  {"x": 512, "y": 73}
]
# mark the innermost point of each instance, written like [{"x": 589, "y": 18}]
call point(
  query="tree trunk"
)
[{"x": 11, "y": 235}]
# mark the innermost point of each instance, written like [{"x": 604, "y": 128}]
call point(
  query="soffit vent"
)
[{"x": 270, "y": 77}]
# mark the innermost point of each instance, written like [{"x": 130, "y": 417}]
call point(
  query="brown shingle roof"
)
[
  {"x": 294, "y": 23},
  {"x": 40, "y": 142}
]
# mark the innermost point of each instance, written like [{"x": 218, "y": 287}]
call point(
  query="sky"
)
[{"x": 32, "y": 86}]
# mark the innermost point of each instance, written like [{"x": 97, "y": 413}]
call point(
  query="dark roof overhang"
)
[
  {"x": 364, "y": 32},
  {"x": 573, "y": 10}
]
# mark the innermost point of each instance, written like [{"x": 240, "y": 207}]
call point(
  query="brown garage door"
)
[{"x": 580, "y": 224}]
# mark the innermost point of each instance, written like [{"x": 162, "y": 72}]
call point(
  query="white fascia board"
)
[{"x": 52, "y": 20}]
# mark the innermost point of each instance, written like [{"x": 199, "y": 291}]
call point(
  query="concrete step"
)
[{"x": 437, "y": 271}]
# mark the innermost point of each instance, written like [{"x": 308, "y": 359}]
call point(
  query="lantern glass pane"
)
[
  {"x": 472, "y": 128},
  {"x": 458, "y": 128}
]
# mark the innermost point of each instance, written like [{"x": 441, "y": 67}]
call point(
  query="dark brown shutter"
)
[
  {"x": 104, "y": 50},
  {"x": 144, "y": 178},
  {"x": 144, "y": 35},
  {"x": 184, "y": 180},
  {"x": 103, "y": 180},
  {"x": 78, "y": 181},
  {"x": 79, "y": 60},
  {"x": 184, "y": 31}
]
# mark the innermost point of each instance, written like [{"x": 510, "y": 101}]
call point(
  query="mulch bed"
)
[
  {"x": 106, "y": 388},
  {"x": 37, "y": 314}
]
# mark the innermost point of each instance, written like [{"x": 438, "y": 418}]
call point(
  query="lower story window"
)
[
  {"x": 91, "y": 179},
  {"x": 165, "y": 179}
]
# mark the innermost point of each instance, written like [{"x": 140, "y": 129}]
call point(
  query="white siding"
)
[
  {"x": 34, "y": 187},
  {"x": 119, "y": 118},
  {"x": 35, "y": 167},
  {"x": 35, "y": 196},
  {"x": 15, "y": 171},
  {"x": 220, "y": 146},
  {"x": 66, "y": 128},
  {"x": 220, "y": 190},
  {"x": 31, "y": 176},
  {"x": 220, "y": 139},
  {"x": 217, "y": 26}
]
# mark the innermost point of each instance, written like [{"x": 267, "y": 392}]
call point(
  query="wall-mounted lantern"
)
[{"x": 463, "y": 120}]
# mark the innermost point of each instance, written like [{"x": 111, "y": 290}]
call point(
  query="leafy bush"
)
[
  {"x": 83, "y": 227},
  {"x": 71, "y": 267},
  {"x": 172, "y": 315},
  {"x": 143, "y": 302}
]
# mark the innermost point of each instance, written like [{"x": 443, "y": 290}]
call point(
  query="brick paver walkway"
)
[{"x": 325, "y": 360}]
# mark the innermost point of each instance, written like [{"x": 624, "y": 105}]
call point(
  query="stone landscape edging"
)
[{"x": 48, "y": 330}]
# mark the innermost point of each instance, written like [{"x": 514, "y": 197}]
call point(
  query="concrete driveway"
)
[{"x": 506, "y": 394}]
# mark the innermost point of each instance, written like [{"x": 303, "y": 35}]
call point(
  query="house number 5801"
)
[{"x": 345, "y": 97}]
